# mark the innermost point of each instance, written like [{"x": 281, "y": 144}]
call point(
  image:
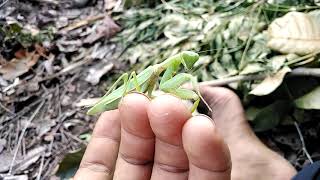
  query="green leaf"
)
[
  {"x": 270, "y": 116},
  {"x": 252, "y": 112},
  {"x": 310, "y": 100},
  {"x": 227, "y": 62},
  {"x": 70, "y": 164}
]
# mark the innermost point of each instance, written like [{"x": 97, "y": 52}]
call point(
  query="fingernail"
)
[
  {"x": 168, "y": 94},
  {"x": 203, "y": 115},
  {"x": 137, "y": 92},
  {"x": 132, "y": 92}
]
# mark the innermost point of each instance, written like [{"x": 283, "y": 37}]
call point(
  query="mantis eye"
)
[{"x": 189, "y": 58}]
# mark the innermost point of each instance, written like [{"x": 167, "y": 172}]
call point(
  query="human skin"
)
[{"x": 160, "y": 139}]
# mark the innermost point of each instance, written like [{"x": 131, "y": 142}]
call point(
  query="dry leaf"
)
[
  {"x": 87, "y": 102},
  {"x": 252, "y": 68},
  {"x": 295, "y": 32},
  {"x": 270, "y": 83},
  {"x": 15, "y": 177},
  {"x": 107, "y": 28},
  {"x": 81, "y": 23},
  {"x": 96, "y": 73},
  {"x": 18, "y": 66},
  {"x": 110, "y": 4}
]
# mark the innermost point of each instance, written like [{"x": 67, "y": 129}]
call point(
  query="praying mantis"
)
[{"x": 146, "y": 81}]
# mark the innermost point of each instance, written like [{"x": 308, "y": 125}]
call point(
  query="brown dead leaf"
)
[
  {"x": 95, "y": 73},
  {"x": 20, "y": 53},
  {"x": 295, "y": 32},
  {"x": 270, "y": 83},
  {"x": 18, "y": 66},
  {"x": 106, "y": 28},
  {"x": 87, "y": 102},
  {"x": 31, "y": 157},
  {"x": 81, "y": 23},
  {"x": 41, "y": 50},
  {"x": 110, "y": 4}
]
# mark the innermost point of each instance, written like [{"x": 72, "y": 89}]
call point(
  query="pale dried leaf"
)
[
  {"x": 252, "y": 68},
  {"x": 17, "y": 67},
  {"x": 276, "y": 62},
  {"x": 6, "y": 158},
  {"x": 295, "y": 32},
  {"x": 87, "y": 102},
  {"x": 270, "y": 83},
  {"x": 11, "y": 87},
  {"x": 3, "y": 143},
  {"x": 15, "y": 177},
  {"x": 110, "y": 4},
  {"x": 81, "y": 23},
  {"x": 304, "y": 62},
  {"x": 96, "y": 73},
  {"x": 106, "y": 29},
  {"x": 31, "y": 157}
]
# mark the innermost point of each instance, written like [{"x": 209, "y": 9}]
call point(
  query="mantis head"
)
[{"x": 189, "y": 58}]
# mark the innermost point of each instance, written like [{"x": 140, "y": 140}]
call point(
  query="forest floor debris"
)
[{"x": 59, "y": 55}]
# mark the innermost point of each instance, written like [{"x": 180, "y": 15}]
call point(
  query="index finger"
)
[{"x": 101, "y": 154}]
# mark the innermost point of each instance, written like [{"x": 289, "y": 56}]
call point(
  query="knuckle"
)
[
  {"x": 96, "y": 167},
  {"x": 221, "y": 96},
  {"x": 134, "y": 160}
]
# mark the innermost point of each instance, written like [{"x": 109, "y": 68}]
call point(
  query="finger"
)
[
  {"x": 209, "y": 157},
  {"x": 137, "y": 139},
  {"x": 226, "y": 108},
  {"x": 167, "y": 115},
  {"x": 101, "y": 154}
]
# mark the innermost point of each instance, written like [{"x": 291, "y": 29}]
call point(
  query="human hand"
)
[{"x": 157, "y": 139}]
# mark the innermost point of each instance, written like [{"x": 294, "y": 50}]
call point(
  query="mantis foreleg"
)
[
  {"x": 123, "y": 77},
  {"x": 174, "y": 84},
  {"x": 133, "y": 76}
]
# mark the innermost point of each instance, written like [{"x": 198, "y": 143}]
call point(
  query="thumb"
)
[{"x": 227, "y": 110}]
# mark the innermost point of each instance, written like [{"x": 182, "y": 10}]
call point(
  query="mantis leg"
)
[
  {"x": 133, "y": 76},
  {"x": 187, "y": 94},
  {"x": 123, "y": 77},
  {"x": 174, "y": 84}
]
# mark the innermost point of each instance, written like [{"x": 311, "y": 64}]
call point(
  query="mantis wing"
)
[{"x": 111, "y": 101}]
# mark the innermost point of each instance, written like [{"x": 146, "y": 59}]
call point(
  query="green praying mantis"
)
[{"x": 145, "y": 82}]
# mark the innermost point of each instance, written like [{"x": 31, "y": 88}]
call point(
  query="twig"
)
[
  {"x": 71, "y": 67},
  {"x": 41, "y": 166},
  {"x": 4, "y": 3},
  {"x": 315, "y": 72},
  {"x": 54, "y": 2},
  {"x": 23, "y": 111},
  {"x": 6, "y": 109},
  {"x": 81, "y": 23},
  {"x": 22, "y": 134},
  {"x": 82, "y": 95},
  {"x": 74, "y": 138},
  {"x": 304, "y": 148}
]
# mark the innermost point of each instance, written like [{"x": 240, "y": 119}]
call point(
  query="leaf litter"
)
[
  {"x": 49, "y": 50},
  {"x": 87, "y": 43}
]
